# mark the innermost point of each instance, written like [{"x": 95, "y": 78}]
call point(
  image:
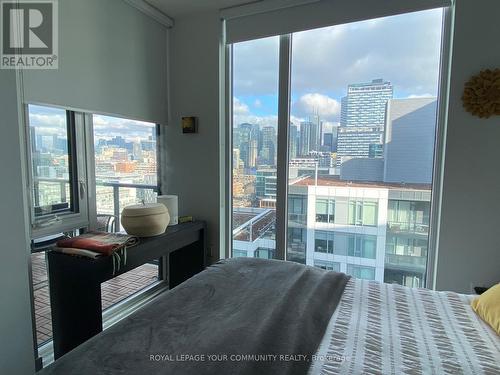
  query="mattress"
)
[{"x": 390, "y": 329}]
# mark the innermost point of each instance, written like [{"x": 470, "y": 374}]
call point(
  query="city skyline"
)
[{"x": 319, "y": 79}]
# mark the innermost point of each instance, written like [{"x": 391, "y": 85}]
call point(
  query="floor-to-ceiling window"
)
[
  {"x": 362, "y": 125},
  {"x": 254, "y": 147}
]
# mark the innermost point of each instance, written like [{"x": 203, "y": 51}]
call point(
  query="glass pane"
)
[
  {"x": 331, "y": 211},
  {"x": 369, "y": 213},
  {"x": 125, "y": 174},
  {"x": 125, "y": 166},
  {"x": 255, "y": 108},
  {"x": 321, "y": 244},
  {"x": 322, "y": 210},
  {"x": 369, "y": 248},
  {"x": 49, "y": 136},
  {"x": 362, "y": 135}
]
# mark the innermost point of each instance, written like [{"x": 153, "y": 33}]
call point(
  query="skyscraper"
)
[
  {"x": 293, "y": 147},
  {"x": 365, "y": 103},
  {"x": 315, "y": 139},
  {"x": 268, "y": 151},
  {"x": 252, "y": 154},
  {"x": 246, "y": 139},
  {"x": 328, "y": 142},
  {"x": 362, "y": 120},
  {"x": 304, "y": 138}
]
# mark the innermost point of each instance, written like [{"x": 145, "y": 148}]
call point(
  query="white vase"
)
[{"x": 171, "y": 202}]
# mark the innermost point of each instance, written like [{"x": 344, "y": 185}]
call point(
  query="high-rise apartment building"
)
[
  {"x": 362, "y": 119},
  {"x": 246, "y": 140},
  {"x": 304, "y": 138},
  {"x": 365, "y": 103},
  {"x": 375, "y": 231},
  {"x": 316, "y": 133},
  {"x": 265, "y": 185},
  {"x": 268, "y": 150}
]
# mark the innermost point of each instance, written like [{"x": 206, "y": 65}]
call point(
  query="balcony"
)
[
  {"x": 297, "y": 220},
  {"x": 111, "y": 200},
  {"x": 405, "y": 262},
  {"x": 113, "y": 291},
  {"x": 408, "y": 227}
]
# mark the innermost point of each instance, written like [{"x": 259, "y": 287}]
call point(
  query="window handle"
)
[{"x": 82, "y": 189}]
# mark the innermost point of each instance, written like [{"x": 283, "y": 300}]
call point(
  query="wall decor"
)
[
  {"x": 189, "y": 124},
  {"x": 481, "y": 95}
]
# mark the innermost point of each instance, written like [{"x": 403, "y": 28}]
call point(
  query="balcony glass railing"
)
[
  {"x": 407, "y": 261},
  {"x": 297, "y": 219},
  {"x": 111, "y": 197},
  {"x": 412, "y": 227}
]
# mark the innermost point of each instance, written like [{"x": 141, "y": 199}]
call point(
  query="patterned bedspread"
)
[{"x": 389, "y": 329}]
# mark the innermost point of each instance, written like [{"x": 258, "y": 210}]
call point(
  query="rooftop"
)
[
  {"x": 240, "y": 218},
  {"x": 254, "y": 229},
  {"x": 336, "y": 181}
]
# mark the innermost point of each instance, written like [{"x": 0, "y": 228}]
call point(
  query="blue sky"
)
[{"x": 404, "y": 50}]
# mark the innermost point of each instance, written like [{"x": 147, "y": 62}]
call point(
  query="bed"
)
[{"x": 254, "y": 316}]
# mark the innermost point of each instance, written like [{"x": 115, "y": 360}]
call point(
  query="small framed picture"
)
[{"x": 189, "y": 124}]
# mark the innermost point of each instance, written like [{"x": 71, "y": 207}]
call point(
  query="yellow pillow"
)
[{"x": 487, "y": 306}]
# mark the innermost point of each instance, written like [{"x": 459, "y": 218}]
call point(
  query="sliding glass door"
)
[{"x": 361, "y": 134}]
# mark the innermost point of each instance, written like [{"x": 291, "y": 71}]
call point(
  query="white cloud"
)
[
  {"x": 257, "y": 103},
  {"x": 328, "y": 125},
  {"x": 317, "y": 104},
  {"x": 98, "y": 120},
  {"x": 254, "y": 119},
  {"x": 47, "y": 121},
  {"x": 240, "y": 108},
  {"x": 402, "y": 49}
]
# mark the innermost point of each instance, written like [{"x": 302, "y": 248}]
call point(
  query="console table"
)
[{"x": 75, "y": 282}]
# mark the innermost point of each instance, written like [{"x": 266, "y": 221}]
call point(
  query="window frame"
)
[
  {"x": 53, "y": 223},
  {"x": 225, "y": 134},
  {"x": 330, "y": 210},
  {"x": 82, "y": 158}
]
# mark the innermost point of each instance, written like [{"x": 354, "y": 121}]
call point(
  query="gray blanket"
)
[{"x": 240, "y": 316}]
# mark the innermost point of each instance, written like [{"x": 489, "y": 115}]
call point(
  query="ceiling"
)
[{"x": 176, "y": 8}]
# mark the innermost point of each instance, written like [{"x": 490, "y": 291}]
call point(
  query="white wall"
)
[
  {"x": 113, "y": 59},
  {"x": 469, "y": 246},
  {"x": 193, "y": 159},
  {"x": 16, "y": 336}
]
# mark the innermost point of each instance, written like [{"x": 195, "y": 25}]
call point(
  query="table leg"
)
[
  {"x": 187, "y": 261},
  {"x": 75, "y": 304}
]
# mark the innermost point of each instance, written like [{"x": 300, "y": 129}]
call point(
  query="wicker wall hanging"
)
[{"x": 482, "y": 94}]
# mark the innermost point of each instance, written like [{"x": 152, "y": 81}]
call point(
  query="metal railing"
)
[
  {"x": 116, "y": 186},
  {"x": 409, "y": 261}
]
